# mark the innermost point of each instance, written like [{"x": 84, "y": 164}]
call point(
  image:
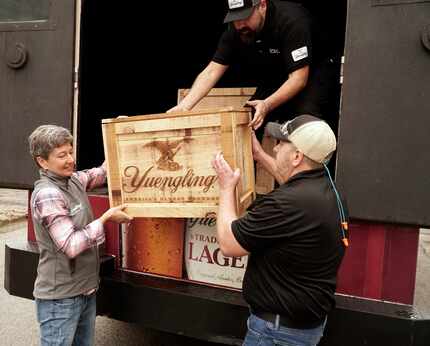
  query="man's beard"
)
[{"x": 247, "y": 36}]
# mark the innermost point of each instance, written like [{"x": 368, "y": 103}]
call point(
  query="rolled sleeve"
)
[{"x": 92, "y": 178}]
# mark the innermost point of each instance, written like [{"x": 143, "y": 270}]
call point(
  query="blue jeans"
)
[
  {"x": 69, "y": 321},
  {"x": 264, "y": 333}
]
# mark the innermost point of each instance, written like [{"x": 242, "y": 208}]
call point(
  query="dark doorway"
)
[{"x": 135, "y": 57}]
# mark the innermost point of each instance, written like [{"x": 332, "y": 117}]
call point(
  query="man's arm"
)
[
  {"x": 204, "y": 82},
  {"x": 227, "y": 207},
  {"x": 295, "y": 83},
  {"x": 267, "y": 161}
]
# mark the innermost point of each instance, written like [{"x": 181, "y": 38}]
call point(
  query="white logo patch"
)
[
  {"x": 232, "y": 4},
  {"x": 77, "y": 208},
  {"x": 274, "y": 51},
  {"x": 300, "y": 53}
]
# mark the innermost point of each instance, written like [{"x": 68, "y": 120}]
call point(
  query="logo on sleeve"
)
[
  {"x": 235, "y": 4},
  {"x": 76, "y": 209},
  {"x": 274, "y": 51},
  {"x": 300, "y": 53}
]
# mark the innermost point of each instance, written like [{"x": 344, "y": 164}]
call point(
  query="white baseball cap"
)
[{"x": 311, "y": 135}]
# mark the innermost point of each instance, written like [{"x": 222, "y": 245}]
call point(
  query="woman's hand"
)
[{"x": 116, "y": 214}]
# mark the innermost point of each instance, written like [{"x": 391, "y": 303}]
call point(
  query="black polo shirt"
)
[
  {"x": 285, "y": 44},
  {"x": 295, "y": 241}
]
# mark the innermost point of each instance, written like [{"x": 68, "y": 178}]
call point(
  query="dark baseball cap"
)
[{"x": 239, "y": 9}]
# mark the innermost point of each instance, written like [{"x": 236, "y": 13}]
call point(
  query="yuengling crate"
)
[{"x": 160, "y": 164}]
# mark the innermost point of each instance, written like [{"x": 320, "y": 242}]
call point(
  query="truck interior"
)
[{"x": 135, "y": 57}]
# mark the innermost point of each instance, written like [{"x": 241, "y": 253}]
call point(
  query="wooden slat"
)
[
  {"x": 134, "y": 125},
  {"x": 167, "y": 124},
  {"x": 173, "y": 115},
  {"x": 243, "y": 118},
  {"x": 249, "y": 194},
  {"x": 265, "y": 182},
  {"x": 112, "y": 164},
  {"x": 195, "y": 210},
  {"x": 221, "y": 97},
  {"x": 246, "y": 202},
  {"x": 221, "y": 92},
  {"x": 204, "y": 131},
  {"x": 229, "y": 149},
  {"x": 237, "y": 153},
  {"x": 227, "y": 143},
  {"x": 249, "y": 167}
]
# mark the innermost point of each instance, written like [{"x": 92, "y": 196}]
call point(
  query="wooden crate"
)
[
  {"x": 160, "y": 164},
  {"x": 237, "y": 97},
  {"x": 221, "y": 97}
]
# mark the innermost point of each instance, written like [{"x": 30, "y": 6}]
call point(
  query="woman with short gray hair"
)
[
  {"x": 68, "y": 237},
  {"x": 46, "y": 138}
]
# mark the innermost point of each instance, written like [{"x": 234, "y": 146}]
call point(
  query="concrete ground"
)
[
  {"x": 13, "y": 206},
  {"x": 18, "y": 324}
]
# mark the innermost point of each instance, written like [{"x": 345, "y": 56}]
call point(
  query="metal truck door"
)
[
  {"x": 36, "y": 72},
  {"x": 383, "y": 158}
]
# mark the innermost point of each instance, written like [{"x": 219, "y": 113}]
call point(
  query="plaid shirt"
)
[{"x": 50, "y": 210}]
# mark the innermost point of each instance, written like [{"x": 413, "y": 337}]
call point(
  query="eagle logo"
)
[{"x": 168, "y": 150}]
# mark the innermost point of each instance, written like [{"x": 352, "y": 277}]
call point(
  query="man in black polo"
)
[
  {"x": 294, "y": 235},
  {"x": 281, "y": 46}
]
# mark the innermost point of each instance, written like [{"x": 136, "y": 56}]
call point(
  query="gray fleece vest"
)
[{"x": 58, "y": 276}]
